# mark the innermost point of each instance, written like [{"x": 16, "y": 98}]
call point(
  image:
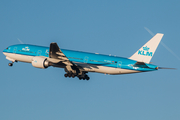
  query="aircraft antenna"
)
[{"x": 20, "y": 41}]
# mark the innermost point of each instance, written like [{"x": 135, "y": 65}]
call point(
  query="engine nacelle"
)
[{"x": 40, "y": 62}]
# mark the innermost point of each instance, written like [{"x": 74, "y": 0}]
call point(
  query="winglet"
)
[{"x": 146, "y": 52}]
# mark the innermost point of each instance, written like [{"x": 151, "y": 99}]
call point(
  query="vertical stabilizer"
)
[{"x": 146, "y": 52}]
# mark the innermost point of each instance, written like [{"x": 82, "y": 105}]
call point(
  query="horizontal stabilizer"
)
[{"x": 140, "y": 64}]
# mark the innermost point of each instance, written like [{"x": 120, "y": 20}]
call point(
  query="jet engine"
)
[{"x": 40, "y": 62}]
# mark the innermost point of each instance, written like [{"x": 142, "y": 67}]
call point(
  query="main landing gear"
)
[
  {"x": 84, "y": 77},
  {"x": 69, "y": 75}
]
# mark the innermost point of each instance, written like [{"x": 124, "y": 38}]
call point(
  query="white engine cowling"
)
[{"x": 40, "y": 62}]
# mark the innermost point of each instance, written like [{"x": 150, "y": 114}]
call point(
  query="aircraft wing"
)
[{"x": 55, "y": 52}]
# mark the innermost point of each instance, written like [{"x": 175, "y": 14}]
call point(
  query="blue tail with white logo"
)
[{"x": 146, "y": 52}]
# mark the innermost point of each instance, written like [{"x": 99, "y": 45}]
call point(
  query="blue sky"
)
[{"x": 104, "y": 26}]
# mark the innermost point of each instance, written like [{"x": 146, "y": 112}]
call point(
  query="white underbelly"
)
[
  {"x": 105, "y": 70},
  {"x": 19, "y": 57},
  {"x": 26, "y": 58},
  {"x": 113, "y": 71}
]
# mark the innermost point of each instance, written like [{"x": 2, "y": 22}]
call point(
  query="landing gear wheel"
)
[
  {"x": 69, "y": 75},
  {"x": 73, "y": 75},
  {"x": 87, "y": 78},
  {"x": 65, "y": 75},
  {"x": 10, "y": 64}
]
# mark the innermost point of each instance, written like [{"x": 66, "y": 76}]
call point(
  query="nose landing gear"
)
[{"x": 10, "y": 64}]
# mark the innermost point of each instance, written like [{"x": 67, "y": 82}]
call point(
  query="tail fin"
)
[{"x": 146, "y": 52}]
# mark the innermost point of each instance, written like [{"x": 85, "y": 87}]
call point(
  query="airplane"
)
[{"x": 78, "y": 64}]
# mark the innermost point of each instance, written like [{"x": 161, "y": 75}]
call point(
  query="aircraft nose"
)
[{"x": 5, "y": 50}]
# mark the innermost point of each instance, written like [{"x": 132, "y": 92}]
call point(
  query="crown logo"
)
[
  {"x": 146, "y": 48},
  {"x": 26, "y": 49}
]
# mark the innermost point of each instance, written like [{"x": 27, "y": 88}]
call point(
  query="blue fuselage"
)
[{"x": 81, "y": 57}]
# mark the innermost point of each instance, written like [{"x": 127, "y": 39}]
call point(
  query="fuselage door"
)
[
  {"x": 119, "y": 63},
  {"x": 15, "y": 50},
  {"x": 39, "y": 53},
  {"x": 86, "y": 59}
]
